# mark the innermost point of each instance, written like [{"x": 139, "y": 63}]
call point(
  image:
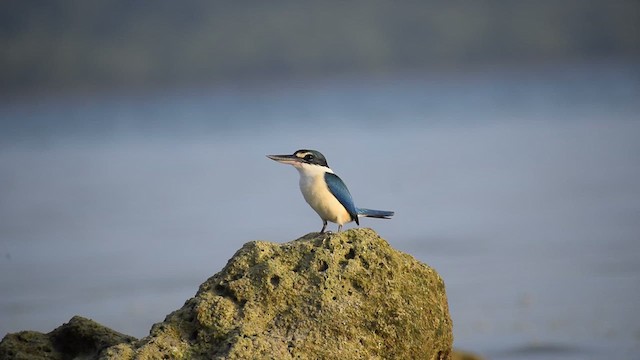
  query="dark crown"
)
[{"x": 311, "y": 157}]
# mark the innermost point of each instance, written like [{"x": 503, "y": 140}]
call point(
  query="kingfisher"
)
[{"x": 324, "y": 191}]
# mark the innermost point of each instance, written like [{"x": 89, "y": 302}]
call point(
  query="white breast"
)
[{"x": 317, "y": 194}]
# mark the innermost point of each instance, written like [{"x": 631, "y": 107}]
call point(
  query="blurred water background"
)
[{"x": 504, "y": 135}]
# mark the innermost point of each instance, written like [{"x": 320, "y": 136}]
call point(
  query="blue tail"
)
[{"x": 380, "y": 214}]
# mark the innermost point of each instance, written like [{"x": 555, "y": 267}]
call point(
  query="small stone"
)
[{"x": 79, "y": 338}]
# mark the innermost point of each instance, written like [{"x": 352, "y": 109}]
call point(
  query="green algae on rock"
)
[{"x": 335, "y": 296}]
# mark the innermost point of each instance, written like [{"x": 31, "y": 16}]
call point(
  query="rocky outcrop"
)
[
  {"x": 334, "y": 296},
  {"x": 80, "y": 338}
]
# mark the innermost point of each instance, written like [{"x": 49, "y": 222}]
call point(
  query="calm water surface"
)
[{"x": 522, "y": 188}]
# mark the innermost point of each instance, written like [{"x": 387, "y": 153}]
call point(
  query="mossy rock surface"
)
[
  {"x": 323, "y": 296},
  {"x": 333, "y": 296}
]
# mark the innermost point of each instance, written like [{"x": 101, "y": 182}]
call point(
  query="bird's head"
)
[{"x": 301, "y": 159}]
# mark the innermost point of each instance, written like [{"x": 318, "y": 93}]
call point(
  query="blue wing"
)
[{"x": 340, "y": 191}]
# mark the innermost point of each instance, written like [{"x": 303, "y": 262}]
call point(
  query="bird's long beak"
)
[{"x": 285, "y": 159}]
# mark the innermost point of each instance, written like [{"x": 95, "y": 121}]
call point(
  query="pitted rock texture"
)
[{"x": 335, "y": 296}]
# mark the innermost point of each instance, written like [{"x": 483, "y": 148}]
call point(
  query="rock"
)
[
  {"x": 333, "y": 296},
  {"x": 80, "y": 338},
  {"x": 338, "y": 296}
]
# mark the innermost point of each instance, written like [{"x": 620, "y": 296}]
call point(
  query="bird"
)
[{"x": 324, "y": 191}]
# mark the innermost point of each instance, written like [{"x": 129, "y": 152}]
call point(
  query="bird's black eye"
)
[{"x": 308, "y": 157}]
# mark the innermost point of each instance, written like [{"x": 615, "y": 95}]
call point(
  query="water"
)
[{"x": 521, "y": 187}]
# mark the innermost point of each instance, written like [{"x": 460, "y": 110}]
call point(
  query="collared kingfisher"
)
[{"x": 324, "y": 191}]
